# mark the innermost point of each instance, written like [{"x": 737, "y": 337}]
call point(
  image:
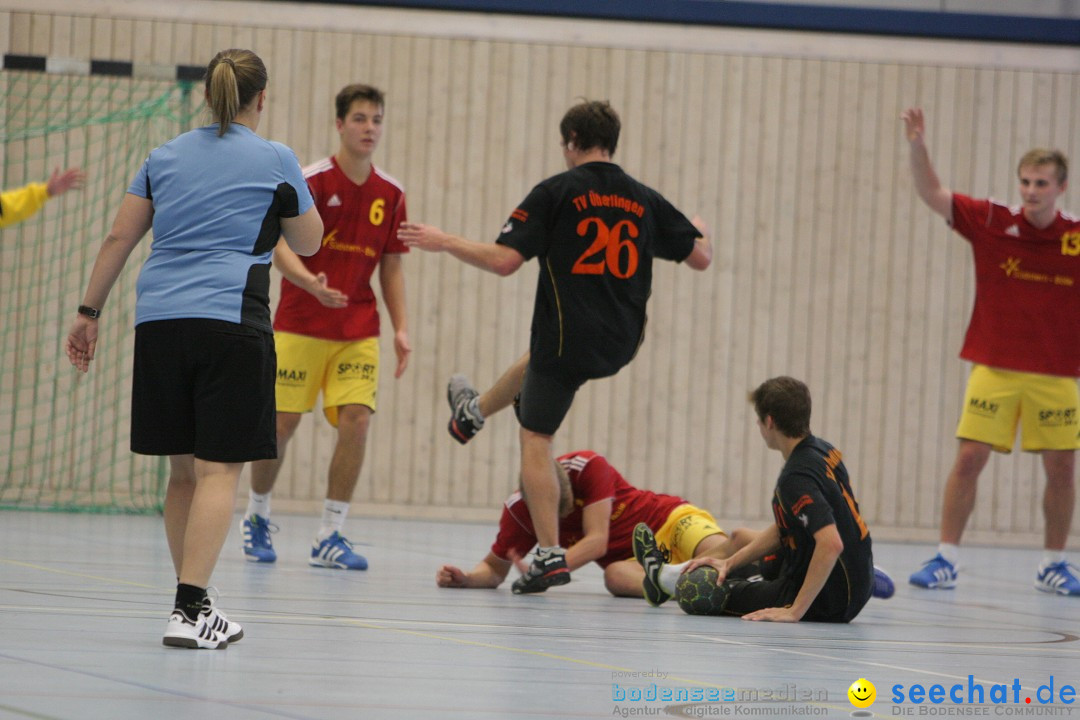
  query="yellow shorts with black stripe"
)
[
  {"x": 685, "y": 527},
  {"x": 1045, "y": 406},
  {"x": 346, "y": 371}
]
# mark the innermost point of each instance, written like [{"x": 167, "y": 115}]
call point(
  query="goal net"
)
[{"x": 64, "y": 436}]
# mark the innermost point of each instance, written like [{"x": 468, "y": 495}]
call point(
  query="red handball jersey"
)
[
  {"x": 593, "y": 479},
  {"x": 360, "y": 224},
  {"x": 1027, "y": 289}
]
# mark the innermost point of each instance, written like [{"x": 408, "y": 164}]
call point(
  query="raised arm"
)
[
  {"x": 494, "y": 258},
  {"x": 701, "y": 256},
  {"x": 922, "y": 170},
  {"x": 488, "y": 573}
]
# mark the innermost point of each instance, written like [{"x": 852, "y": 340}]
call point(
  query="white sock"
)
[
  {"x": 1052, "y": 557},
  {"x": 669, "y": 576},
  {"x": 949, "y": 552},
  {"x": 333, "y": 518},
  {"x": 543, "y": 552},
  {"x": 258, "y": 505},
  {"x": 474, "y": 409}
]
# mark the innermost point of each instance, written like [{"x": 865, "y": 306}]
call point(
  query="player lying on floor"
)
[{"x": 598, "y": 510}]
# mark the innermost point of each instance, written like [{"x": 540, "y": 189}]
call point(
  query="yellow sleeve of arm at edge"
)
[{"x": 17, "y": 205}]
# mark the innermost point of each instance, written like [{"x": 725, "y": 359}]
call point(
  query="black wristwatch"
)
[{"x": 92, "y": 313}]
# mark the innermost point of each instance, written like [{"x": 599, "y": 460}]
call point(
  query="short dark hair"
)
[
  {"x": 590, "y": 124},
  {"x": 787, "y": 401},
  {"x": 357, "y": 91}
]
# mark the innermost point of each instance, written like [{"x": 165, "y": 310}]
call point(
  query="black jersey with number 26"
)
[{"x": 595, "y": 231}]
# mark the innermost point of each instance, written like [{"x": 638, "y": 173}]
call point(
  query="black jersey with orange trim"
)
[
  {"x": 813, "y": 492},
  {"x": 595, "y": 231}
]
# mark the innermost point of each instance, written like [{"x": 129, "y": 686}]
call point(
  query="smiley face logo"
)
[{"x": 862, "y": 693}]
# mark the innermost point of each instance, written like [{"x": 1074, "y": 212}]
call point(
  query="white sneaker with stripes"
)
[
  {"x": 181, "y": 632},
  {"x": 216, "y": 619}
]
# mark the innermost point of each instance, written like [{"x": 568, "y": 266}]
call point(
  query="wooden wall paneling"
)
[
  {"x": 895, "y": 495},
  {"x": 142, "y": 41},
  {"x": 693, "y": 290},
  {"x": 6, "y": 33},
  {"x": 702, "y": 198},
  {"x": 40, "y": 34},
  {"x": 60, "y": 36},
  {"x": 728, "y": 459},
  {"x": 848, "y": 419},
  {"x": 914, "y": 333},
  {"x": 676, "y": 283},
  {"x": 656, "y": 145},
  {"x": 18, "y": 38},
  {"x": 183, "y": 44},
  {"x": 875, "y": 217},
  {"x": 123, "y": 44}
]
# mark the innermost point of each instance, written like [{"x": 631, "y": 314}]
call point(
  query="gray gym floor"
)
[{"x": 84, "y": 599}]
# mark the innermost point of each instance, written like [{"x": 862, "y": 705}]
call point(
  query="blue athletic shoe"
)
[
  {"x": 936, "y": 572},
  {"x": 336, "y": 552},
  {"x": 257, "y": 545},
  {"x": 883, "y": 584},
  {"x": 1058, "y": 578}
]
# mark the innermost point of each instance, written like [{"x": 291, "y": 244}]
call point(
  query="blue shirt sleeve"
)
[
  {"x": 140, "y": 185},
  {"x": 294, "y": 176}
]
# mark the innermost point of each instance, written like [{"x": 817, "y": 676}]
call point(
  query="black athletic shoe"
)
[
  {"x": 465, "y": 421},
  {"x": 652, "y": 558},
  {"x": 543, "y": 573}
]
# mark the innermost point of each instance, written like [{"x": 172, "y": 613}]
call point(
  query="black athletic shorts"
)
[
  {"x": 545, "y": 399},
  {"x": 204, "y": 387}
]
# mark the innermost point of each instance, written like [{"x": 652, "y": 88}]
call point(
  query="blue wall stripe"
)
[{"x": 814, "y": 18}]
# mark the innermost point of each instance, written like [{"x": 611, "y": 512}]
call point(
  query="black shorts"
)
[
  {"x": 545, "y": 399},
  {"x": 204, "y": 387}
]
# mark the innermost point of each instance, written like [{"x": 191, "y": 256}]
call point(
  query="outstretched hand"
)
[
  {"x": 424, "y": 237},
  {"x": 914, "y": 124},
  {"x": 326, "y": 295},
  {"x": 60, "y": 182}
]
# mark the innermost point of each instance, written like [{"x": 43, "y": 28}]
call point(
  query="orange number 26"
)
[{"x": 611, "y": 243}]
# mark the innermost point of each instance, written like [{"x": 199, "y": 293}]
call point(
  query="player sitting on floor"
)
[{"x": 825, "y": 566}]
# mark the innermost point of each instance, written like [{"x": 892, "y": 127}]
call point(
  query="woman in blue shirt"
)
[{"x": 218, "y": 198}]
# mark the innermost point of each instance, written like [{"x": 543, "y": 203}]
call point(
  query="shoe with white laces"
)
[
  {"x": 465, "y": 420},
  {"x": 1059, "y": 577},
  {"x": 937, "y": 572},
  {"x": 336, "y": 552},
  {"x": 256, "y": 531},
  {"x": 216, "y": 619},
  {"x": 197, "y": 634}
]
